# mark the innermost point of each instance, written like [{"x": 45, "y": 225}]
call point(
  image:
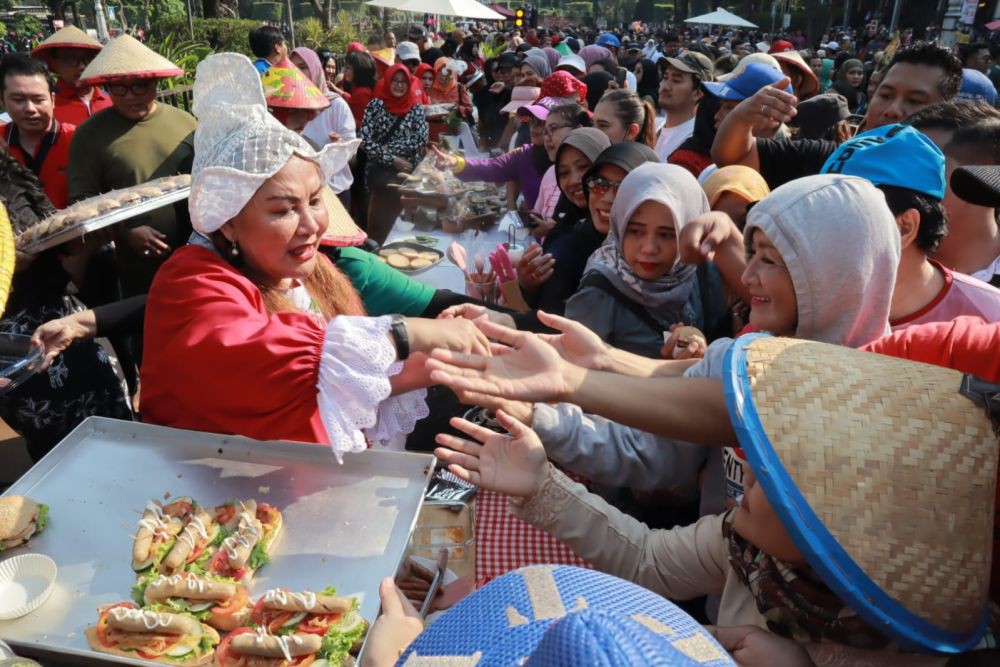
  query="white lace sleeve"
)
[{"x": 357, "y": 361}]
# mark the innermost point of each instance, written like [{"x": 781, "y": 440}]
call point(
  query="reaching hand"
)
[
  {"x": 683, "y": 343},
  {"x": 399, "y": 164},
  {"x": 394, "y": 630},
  {"x": 751, "y": 646},
  {"x": 535, "y": 267},
  {"x": 512, "y": 464},
  {"x": 702, "y": 237},
  {"x": 144, "y": 240},
  {"x": 56, "y": 335},
  {"x": 530, "y": 370},
  {"x": 576, "y": 343},
  {"x": 473, "y": 311},
  {"x": 442, "y": 160},
  {"x": 458, "y": 335},
  {"x": 769, "y": 107}
]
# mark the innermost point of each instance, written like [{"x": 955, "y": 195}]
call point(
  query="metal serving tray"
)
[
  {"x": 346, "y": 525},
  {"x": 80, "y": 230}
]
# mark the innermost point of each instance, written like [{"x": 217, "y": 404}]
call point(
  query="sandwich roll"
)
[
  {"x": 274, "y": 646},
  {"x": 281, "y": 600},
  {"x": 198, "y": 530},
  {"x": 18, "y": 518},
  {"x": 189, "y": 587},
  {"x": 153, "y": 524},
  {"x": 239, "y": 545},
  {"x": 163, "y": 623}
]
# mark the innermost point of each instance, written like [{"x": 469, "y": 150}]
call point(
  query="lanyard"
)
[{"x": 34, "y": 162}]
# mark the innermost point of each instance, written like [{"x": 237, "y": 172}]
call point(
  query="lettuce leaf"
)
[
  {"x": 337, "y": 644},
  {"x": 177, "y": 606},
  {"x": 258, "y": 557},
  {"x": 43, "y": 517},
  {"x": 329, "y": 590}
]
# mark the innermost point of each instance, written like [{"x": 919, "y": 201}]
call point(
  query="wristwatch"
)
[{"x": 400, "y": 336}]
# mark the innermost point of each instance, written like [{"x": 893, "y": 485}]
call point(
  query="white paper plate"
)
[{"x": 26, "y": 581}]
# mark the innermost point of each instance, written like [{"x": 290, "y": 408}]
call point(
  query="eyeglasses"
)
[
  {"x": 599, "y": 186},
  {"x": 552, "y": 129},
  {"x": 138, "y": 89}
]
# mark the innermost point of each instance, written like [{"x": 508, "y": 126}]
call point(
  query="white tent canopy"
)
[
  {"x": 469, "y": 9},
  {"x": 720, "y": 17}
]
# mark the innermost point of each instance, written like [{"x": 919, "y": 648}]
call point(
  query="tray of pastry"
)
[
  {"x": 102, "y": 211},
  {"x": 409, "y": 257},
  {"x": 347, "y": 524}
]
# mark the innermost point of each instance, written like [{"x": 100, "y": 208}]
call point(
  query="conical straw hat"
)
[
  {"x": 286, "y": 87},
  {"x": 882, "y": 472},
  {"x": 341, "y": 232},
  {"x": 69, "y": 37},
  {"x": 126, "y": 58},
  {"x": 7, "y": 257}
]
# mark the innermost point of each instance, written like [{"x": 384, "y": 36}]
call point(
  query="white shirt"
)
[
  {"x": 671, "y": 138},
  {"x": 335, "y": 118},
  {"x": 986, "y": 274}
]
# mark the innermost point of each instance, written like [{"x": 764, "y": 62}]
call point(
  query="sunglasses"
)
[
  {"x": 138, "y": 89},
  {"x": 599, "y": 185}
]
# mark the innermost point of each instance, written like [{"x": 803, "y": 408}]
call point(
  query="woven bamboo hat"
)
[
  {"x": 126, "y": 58},
  {"x": 883, "y": 473},
  {"x": 69, "y": 37},
  {"x": 341, "y": 232},
  {"x": 7, "y": 257},
  {"x": 286, "y": 87}
]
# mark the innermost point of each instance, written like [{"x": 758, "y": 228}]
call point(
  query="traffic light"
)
[{"x": 519, "y": 17}]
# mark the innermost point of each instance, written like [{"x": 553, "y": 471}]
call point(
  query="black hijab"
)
[
  {"x": 627, "y": 155},
  {"x": 704, "y": 126},
  {"x": 597, "y": 84}
]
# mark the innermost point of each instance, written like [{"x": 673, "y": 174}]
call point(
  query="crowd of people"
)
[{"x": 686, "y": 193}]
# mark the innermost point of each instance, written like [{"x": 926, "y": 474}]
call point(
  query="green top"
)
[
  {"x": 383, "y": 289},
  {"x": 109, "y": 151}
]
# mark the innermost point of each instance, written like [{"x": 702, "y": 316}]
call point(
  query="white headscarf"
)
[
  {"x": 238, "y": 144},
  {"x": 675, "y": 188}
]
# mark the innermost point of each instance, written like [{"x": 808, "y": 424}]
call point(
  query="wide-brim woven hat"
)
[
  {"x": 69, "y": 37},
  {"x": 286, "y": 87},
  {"x": 795, "y": 59},
  {"x": 342, "y": 231},
  {"x": 883, "y": 473},
  {"x": 126, "y": 58},
  {"x": 548, "y": 616},
  {"x": 7, "y": 257}
]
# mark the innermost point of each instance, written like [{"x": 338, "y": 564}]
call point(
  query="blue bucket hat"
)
[
  {"x": 607, "y": 39},
  {"x": 897, "y": 155},
  {"x": 859, "y": 455},
  {"x": 550, "y": 616},
  {"x": 746, "y": 81}
]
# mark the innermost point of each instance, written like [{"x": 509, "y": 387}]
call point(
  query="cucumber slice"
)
[
  {"x": 350, "y": 621},
  {"x": 179, "y": 650},
  {"x": 201, "y": 606},
  {"x": 295, "y": 620},
  {"x": 321, "y": 663},
  {"x": 144, "y": 565}
]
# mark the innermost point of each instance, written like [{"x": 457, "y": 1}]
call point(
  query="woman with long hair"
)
[
  {"x": 359, "y": 75},
  {"x": 623, "y": 116}
]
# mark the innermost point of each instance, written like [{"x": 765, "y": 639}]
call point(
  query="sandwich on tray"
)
[
  {"x": 221, "y": 603},
  {"x": 20, "y": 518},
  {"x": 194, "y": 544},
  {"x": 172, "y": 639},
  {"x": 157, "y": 533},
  {"x": 251, "y": 531}
]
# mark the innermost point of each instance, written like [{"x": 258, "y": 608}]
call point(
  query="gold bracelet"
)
[{"x": 459, "y": 166}]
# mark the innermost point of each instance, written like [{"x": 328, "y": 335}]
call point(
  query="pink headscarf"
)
[
  {"x": 314, "y": 70},
  {"x": 553, "y": 57}
]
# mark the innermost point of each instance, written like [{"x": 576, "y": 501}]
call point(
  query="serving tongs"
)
[{"x": 442, "y": 566}]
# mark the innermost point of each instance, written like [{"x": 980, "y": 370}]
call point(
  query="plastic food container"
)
[{"x": 18, "y": 360}]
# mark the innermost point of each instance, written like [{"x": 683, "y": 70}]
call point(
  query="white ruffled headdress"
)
[{"x": 238, "y": 144}]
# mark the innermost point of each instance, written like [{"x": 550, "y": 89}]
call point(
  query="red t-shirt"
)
[
  {"x": 73, "y": 109},
  {"x": 50, "y": 161},
  {"x": 966, "y": 344}
]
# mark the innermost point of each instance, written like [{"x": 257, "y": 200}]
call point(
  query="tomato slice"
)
[
  {"x": 305, "y": 660},
  {"x": 102, "y": 623},
  {"x": 196, "y": 553},
  {"x": 258, "y": 611},
  {"x": 237, "y": 603},
  {"x": 222, "y": 652},
  {"x": 266, "y": 514},
  {"x": 225, "y": 513},
  {"x": 305, "y": 627},
  {"x": 219, "y": 565},
  {"x": 179, "y": 508},
  {"x": 278, "y": 621}
]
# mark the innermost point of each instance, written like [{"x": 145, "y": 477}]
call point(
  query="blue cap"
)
[
  {"x": 549, "y": 616},
  {"x": 607, "y": 39},
  {"x": 976, "y": 87},
  {"x": 897, "y": 155},
  {"x": 745, "y": 81}
]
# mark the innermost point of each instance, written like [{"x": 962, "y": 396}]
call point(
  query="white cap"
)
[
  {"x": 576, "y": 62},
  {"x": 408, "y": 51},
  {"x": 832, "y": 45}
]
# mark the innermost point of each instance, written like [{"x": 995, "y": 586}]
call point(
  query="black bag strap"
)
[
  {"x": 995, "y": 280},
  {"x": 600, "y": 281}
]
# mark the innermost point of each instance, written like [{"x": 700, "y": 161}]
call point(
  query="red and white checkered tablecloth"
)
[{"x": 505, "y": 543}]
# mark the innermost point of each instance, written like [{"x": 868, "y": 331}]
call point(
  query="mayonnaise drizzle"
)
[
  {"x": 192, "y": 582},
  {"x": 242, "y": 536},
  {"x": 150, "y": 619},
  {"x": 261, "y": 636},
  {"x": 280, "y": 596}
]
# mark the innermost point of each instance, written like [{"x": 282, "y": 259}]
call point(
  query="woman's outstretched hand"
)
[
  {"x": 575, "y": 342},
  {"x": 512, "y": 464},
  {"x": 527, "y": 369}
]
